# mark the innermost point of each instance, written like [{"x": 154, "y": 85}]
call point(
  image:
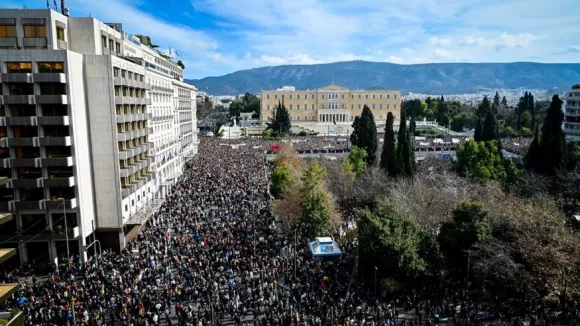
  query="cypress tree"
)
[
  {"x": 280, "y": 121},
  {"x": 490, "y": 128},
  {"x": 496, "y": 99},
  {"x": 533, "y": 156},
  {"x": 388, "y": 156},
  {"x": 412, "y": 126},
  {"x": 401, "y": 139},
  {"x": 478, "y": 134},
  {"x": 410, "y": 165},
  {"x": 354, "y": 137},
  {"x": 553, "y": 143},
  {"x": 368, "y": 133},
  {"x": 483, "y": 108},
  {"x": 504, "y": 101}
]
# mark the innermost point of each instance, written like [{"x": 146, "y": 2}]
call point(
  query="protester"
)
[{"x": 213, "y": 254}]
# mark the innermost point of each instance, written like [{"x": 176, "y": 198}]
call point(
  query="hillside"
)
[{"x": 435, "y": 78}]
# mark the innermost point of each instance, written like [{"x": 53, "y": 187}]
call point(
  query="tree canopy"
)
[
  {"x": 389, "y": 155},
  {"x": 280, "y": 120},
  {"x": 365, "y": 134}
]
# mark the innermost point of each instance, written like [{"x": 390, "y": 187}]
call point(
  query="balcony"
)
[
  {"x": 20, "y": 99},
  {"x": 9, "y": 42},
  {"x": 6, "y": 254},
  {"x": 51, "y": 99},
  {"x": 58, "y": 182},
  {"x": 131, "y": 188},
  {"x": 126, "y": 154},
  {"x": 127, "y": 118},
  {"x": 5, "y": 163},
  {"x": 17, "y": 78},
  {"x": 39, "y": 42},
  {"x": 57, "y": 204},
  {"x": 129, "y": 170},
  {"x": 25, "y": 183},
  {"x": 51, "y": 77},
  {"x": 56, "y": 161},
  {"x": 53, "y": 120},
  {"x": 21, "y": 121},
  {"x": 29, "y": 205},
  {"x": 62, "y": 45},
  {"x": 25, "y": 162},
  {"x": 55, "y": 141},
  {"x": 22, "y": 141}
]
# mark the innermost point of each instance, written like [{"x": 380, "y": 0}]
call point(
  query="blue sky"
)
[{"x": 216, "y": 37}]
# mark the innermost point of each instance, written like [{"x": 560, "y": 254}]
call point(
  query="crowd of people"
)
[
  {"x": 214, "y": 255},
  {"x": 516, "y": 145}
]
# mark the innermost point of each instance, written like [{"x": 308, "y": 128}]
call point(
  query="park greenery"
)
[
  {"x": 249, "y": 103},
  {"x": 496, "y": 225}
]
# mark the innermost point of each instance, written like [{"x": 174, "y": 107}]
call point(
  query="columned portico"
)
[{"x": 333, "y": 115}]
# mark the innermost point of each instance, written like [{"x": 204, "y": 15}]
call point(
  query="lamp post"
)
[
  {"x": 65, "y": 230},
  {"x": 375, "y": 287}
]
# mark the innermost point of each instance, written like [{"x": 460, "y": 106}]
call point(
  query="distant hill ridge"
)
[{"x": 432, "y": 78}]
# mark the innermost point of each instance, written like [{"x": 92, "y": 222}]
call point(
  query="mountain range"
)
[{"x": 432, "y": 78}]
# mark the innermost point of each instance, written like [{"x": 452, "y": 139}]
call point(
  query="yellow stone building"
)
[{"x": 330, "y": 104}]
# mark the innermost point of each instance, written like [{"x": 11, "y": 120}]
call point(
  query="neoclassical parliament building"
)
[{"x": 330, "y": 104}]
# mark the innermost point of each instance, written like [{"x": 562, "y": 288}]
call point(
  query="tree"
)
[
  {"x": 414, "y": 107},
  {"x": 526, "y": 120},
  {"x": 490, "y": 128},
  {"x": 573, "y": 156},
  {"x": 412, "y": 126},
  {"x": 504, "y": 102},
  {"x": 471, "y": 223},
  {"x": 483, "y": 108},
  {"x": 402, "y": 138},
  {"x": 365, "y": 134},
  {"x": 553, "y": 143},
  {"x": 533, "y": 157},
  {"x": 235, "y": 108},
  {"x": 480, "y": 161},
  {"x": 457, "y": 123},
  {"x": 478, "y": 133},
  {"x": 390, "y": 240},
  {"x": 315, "y": 202},
  {"x": 496, "y": 99},
  {"x": 355, "y": 161},
  {"x": 280, "y": 180},
  {"x": 180, "y": 64},
  {"x": 388, "y": 155},
  {"x": 280, "y": 120}
]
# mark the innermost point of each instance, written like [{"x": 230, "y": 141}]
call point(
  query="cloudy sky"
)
[{"x": 216, "y": 37}]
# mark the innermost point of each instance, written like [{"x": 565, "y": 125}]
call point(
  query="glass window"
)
[
  {"x": 7, "y": 31},
  {"x": 116, "y": 72},
  {"x": 19, "y": 67},
  {"x": 298, "y": 107},
  {"x": 34, "y": 31},
  {"x": 290, "y": 105},
  {"x": 50, "y": 67},
  {"x": 60, "y": 33},
  {"x": 268, "y": 96},
  {"x": 290, "y": 96},
  {"x": 104, "y": 41},
  {"x": 298, "y": 96}
]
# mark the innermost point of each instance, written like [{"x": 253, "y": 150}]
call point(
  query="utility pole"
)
[
  {"x": 66, "y": 231},
  {"x": 295, "y": 253}
]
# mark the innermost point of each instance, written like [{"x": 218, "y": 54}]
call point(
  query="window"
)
[
  {"x": 352, "y": 96},
  {"x": 275, "y": 97},
  {"x": 118, "y": 47},
  {"x": 111, "y": 45},
  {"x": 388, "y": 95},
  {"x": 343, "y": 96},
  {"x": 388, "y": 106},
  {"x": 367, "y": 96},
  {"x": 60, "y": 33},
  {"x": 312, "y": 95},
  {"x": 104, "y": 41},
  {"x": 381, "y": 96},
  {"x": 352, "y": 106},
  {"x": 359, "y": 106},
  {"x": 126, "y": 208},
  {"x": 380, "y": 107},
  {"x": 313, "y": 118},
  {"x": 322, "y": 95},
  {"x": 268, "y": 96},
  {"x": 395, "y": 106},
  {"x": 290, "y": 96},
  {"x": 298, "y": 107},
  {"x": 34, "y": 31},
  {"x": 312, "y": 106},
  {"x": 305, "y": 118},
  {"x": 373, "y": 106},
  {"x": 267, "y": 107},
  {"x": 52, "y": 89},
  {"x": 298, "y": 96},
  {"x": 395, "y": 96},
  {"x": 290, "y": 105},
  {"x": 20, "y": 89},
  {"x": 50, "y": 67},
  {"x": 298, "y": 117},
  {"x": 359, "y": 96},
  {"x": 7, "y": 31},
  {"x": 132, "y": 202},
  {"x": 116, "y": 72},
  {"x": 373, "y": 95},
  {"x": 19, "y": 67}
]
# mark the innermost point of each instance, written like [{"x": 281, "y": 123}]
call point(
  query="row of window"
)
[
  {"x": 28, "y": 89},
  {"x": 333, "y": 96},
  {"x": 32, "y": 31},
  {"x": 26, "y": 67},
  {"x": 335, "y": 106},
  {"x": 129, "y": 91},
  {"x": 113, "y": 45},
  {"x": 313, "y": 118},
  {"x": 118, "y": 72}
]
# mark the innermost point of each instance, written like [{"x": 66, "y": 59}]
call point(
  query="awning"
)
[{"x": 324, "y": 247}]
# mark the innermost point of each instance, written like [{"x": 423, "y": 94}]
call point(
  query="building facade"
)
[
  {"x": 44, "y": 137},
  {"x": 571, "y": 124},
  {"x": 329, "y": 105},
  {"x": 78, "y": 142}
]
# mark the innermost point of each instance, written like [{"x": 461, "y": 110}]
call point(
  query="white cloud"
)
[
  {"x": 504, "y": 40},
  {"x": 434, "y": 40},
  {"x": 270, "y": 60},
  {"x": 394, "y": 59},
  {"x": 443, "y": 54},
  {"x": 574, "y": 49}
]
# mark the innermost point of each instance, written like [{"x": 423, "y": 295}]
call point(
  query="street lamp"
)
[{"x": 65, "y": 230}]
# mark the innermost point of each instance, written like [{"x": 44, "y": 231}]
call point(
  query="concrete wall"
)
[
  {"x": 103, "y": 135},
  {"x": 84, "y": 36},
  {"x": 80, "y": 140}
]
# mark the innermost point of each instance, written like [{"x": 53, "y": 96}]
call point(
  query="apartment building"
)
[
  {"x": 329, "y": 105},
  {"x": 184, "y": 100},
  {"x": 77, "y": 132},
  {"x": 571, "y": 125},
  {"x": 44, "y": 137}
]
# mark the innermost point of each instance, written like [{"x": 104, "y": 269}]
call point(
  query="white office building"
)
[
  {"x": 81, "y": 138},
  {"x": 571, "y": 124}
]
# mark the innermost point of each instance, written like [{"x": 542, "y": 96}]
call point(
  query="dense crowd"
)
[
  {"x": 516, "y": 145},
  {"x": 213, "y": 254}
]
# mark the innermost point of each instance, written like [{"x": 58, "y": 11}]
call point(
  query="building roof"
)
[{"x": 333, "y": 87}]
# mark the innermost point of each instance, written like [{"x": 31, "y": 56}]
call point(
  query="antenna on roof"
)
[
  {"x": 48, "y": 4},
  {"x": 63, "y": 7},
  {"x": 55, "y": 6}
]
